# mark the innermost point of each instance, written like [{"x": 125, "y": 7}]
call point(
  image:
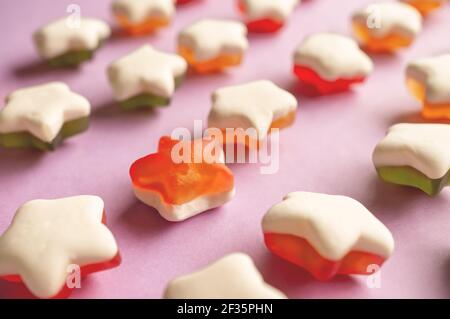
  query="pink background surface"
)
[{"x": 327, "y": 150}]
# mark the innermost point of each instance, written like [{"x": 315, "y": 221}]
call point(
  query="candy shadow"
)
[
  {"x": 120, "y": 35},
  {"x": 113, "y": 109},
  {"x": 265, "y": 36},
  {"x": 142, "y": 220},
  {"x": 390, "y": 200},
  {"x": 86, "y": 284},
  {"x": 12, "y": 290},
  {"x": 192, "y": 75},
  {"x": 246, "y": 168},
  {"x": 289, "y": 278},
  {"x": 304, "y": 91},
  {"x": 190, "y": 4},
  {"x": 38, "y": 68},
  {"x": 383, "y": 58},
  {"x": 12, "y": 160},
  {"x": 282, "y": 274},
  {"x": 247, "y": 160}
]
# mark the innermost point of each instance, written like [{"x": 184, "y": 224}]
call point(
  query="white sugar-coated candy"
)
[
  {"x": 231, "y": 277},
  {"x": 46, "y": 236},
  {"x": 42, "y": 110}
]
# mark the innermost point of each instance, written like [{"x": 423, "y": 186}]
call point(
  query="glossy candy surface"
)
[
  {"x": 426, "y": 6},
  {"x": 147, "y": 100},
  {"x": 415, "y": 155},
  {"x": 113, "y": 140},
  {"x": 326, "y": 234},
  {"x": 26, "y": 140},
  {"x": 179, "y": 183},
  {"x": 387, "y": 44},
  {"x": 73, "y": 58},
  {"x": 299, "y": 252},
  {"x": 148, "y": 26},
  {"x": 217, "y": 64},
  {"x": 320, "y": 86},
  {"x": 432, "y": 111},
  {"x": 409, "y": 176},
  {"x": 263, "y": 25}
]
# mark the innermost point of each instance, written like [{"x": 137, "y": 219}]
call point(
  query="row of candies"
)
[
  {"x": 305, "y": 228},
  {"x": 324, "y": 63}
]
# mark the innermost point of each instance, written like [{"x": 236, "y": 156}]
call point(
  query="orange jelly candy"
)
[
  {"x": 265, "y": 25},
  {"x": 179, "y": 183},
  {"x": 217, "y": 64},
  {"x": 284, "y": 121},
  {"x": 436, "y": 111},
  {"x": 430, "y": 110},
  {"x": 212, "y": 45},
  {"x": 252, "y": 142},
  {"x": 388, "y": 44},
  {"x": 148, "y": 26},
  {"x": 313, "y": 80},
  {"x": 299, "y": 252},
  {"x": 426, "y": 6}
]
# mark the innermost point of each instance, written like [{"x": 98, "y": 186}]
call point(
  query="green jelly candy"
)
[
  {"x": 72, "y": 58},
  {"x": 148, "y": 100},
  {"x": 144, "y": 101},
  {"x": 27, "y": 140},
  {"x": 409, "y": 176}
]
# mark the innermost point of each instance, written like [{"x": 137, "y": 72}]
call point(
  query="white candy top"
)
[
  {"x": 42, "y": 110},
  {"x": 178, "y": 213},
  {"x": 333, "y": 225},
  {"x": 211, "y": 38},
  {"x": 434, "y": 74},
  {"x": 138, "y": 11},
  {"x": 385, "y": 18},
  {"x": 333, "y": 57},
  {"x": 145, "y": 70},
  {"x": 46, "y": 236},
  {"x": 425, "y": 147},
  {"x": 278, "y": 10},
  {"x": 66, "y": 35},
  {"x": 255, "y": 104},
  {"x": 231, "y": 277}
]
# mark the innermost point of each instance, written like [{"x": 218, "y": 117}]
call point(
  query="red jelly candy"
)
[
  {"x": 310, "y": 78},
  {"x": 299, "y": 252}
]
